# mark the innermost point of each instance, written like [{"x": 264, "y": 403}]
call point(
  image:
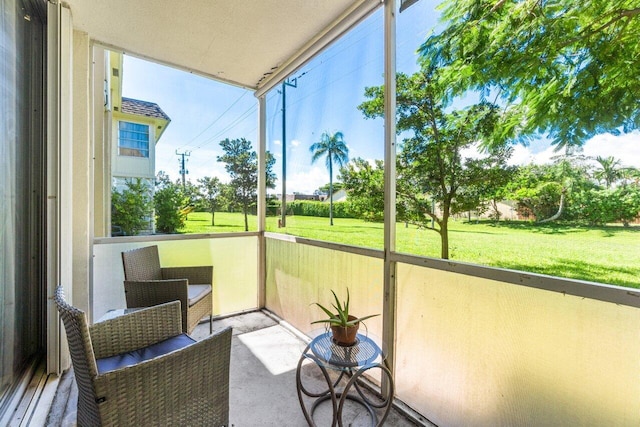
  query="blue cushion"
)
[{"x": 131, "y": 358}]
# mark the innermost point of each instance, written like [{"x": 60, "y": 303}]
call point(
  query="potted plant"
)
[{"x": 344, "y": 326}]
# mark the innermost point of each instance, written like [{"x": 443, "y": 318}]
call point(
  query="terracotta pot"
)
[{"x": 345, "y": 336}]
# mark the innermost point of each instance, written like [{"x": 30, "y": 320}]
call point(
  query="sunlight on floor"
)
[{"x": 277, "y": 349}]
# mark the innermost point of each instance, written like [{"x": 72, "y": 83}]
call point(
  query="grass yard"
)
[{"x": 599, "y": 254}]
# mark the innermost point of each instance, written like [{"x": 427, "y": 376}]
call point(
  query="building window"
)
[{"x": 133, "y": 139}]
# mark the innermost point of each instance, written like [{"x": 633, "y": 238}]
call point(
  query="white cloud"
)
[
  {"x": 523, "y": 156},
  {"x": 625, "y": 147},
  {"x": 306, "y": 181},
  {"x": 295, "y": 143}
]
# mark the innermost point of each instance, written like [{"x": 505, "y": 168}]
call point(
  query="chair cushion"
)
[
  {"x": 197, "y": 292},
  {"x": 131, "y": 358}
]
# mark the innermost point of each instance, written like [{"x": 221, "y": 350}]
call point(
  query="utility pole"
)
[
  {"x": 293, "y": 83},
  {"x": 182, "y": 162}
]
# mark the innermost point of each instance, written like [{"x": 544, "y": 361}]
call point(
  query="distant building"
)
[
  {"x": 297, "y": 197},
  {"x": 338, "y": 196},
  {"x": 136, "y": 128}
]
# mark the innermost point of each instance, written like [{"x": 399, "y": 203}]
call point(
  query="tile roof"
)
[{"x": 143, "y": 108}]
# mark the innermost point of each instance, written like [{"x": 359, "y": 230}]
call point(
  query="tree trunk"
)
[
  {"x": 444, "y": 239},
  {"x": 245, "y": 210},
  {"x": 330, "y": 191},
  {"x": 213, "y": 218},
  {"x": 560, "y": 209},
  {"x": 444, "y": 230}
]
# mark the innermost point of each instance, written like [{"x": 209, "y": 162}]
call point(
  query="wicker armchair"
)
[
  {"x": 140, "y": 369},
  {"x": 147, "y": 284}
]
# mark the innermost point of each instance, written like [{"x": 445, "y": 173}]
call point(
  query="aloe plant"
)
[{"x": 341, "y": 316}]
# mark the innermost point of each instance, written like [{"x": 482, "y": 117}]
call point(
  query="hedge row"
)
[{"x": 320, "y": 209}]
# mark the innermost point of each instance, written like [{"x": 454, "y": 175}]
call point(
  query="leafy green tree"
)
[
  {"x": 131, "y": 208},
  {"x": 364, "y": 184},
  {"x": 324, "y": 189},
  {"x": 484, "y": 181},
  {"x": 430, "y": 164},
  {"x": 566, "y": 66},
  {"x": 195, "y": 198},
  {"x": 170, "y": 204},
  {"x": 227, "y": 198},
  {"x": 334, "y": 149},
  {"x": 210, "y": 187},
  {"x": 242, "y": 166}
]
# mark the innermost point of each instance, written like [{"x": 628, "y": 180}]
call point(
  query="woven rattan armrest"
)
[
  {"x": 136, "y": 330},
  {"x": 186, "y": 387},
  {"x": 199, "y": 275},
  {"x": 145, "y": 293}
]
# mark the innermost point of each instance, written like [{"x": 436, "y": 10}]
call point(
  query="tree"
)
[
  {"x": 365, "y": 185},
  {"x": 430, "y": 166},
  {"x": 567, "y": 65},
  {"x": 324, "y": 189},
  {"x": 210, "y": 187},
  {"x": 194, "y": 197},
  {"x": 553, "y": 191},
  {"x": 609, "y": 170},
  {"x": 334, "y": 149},
  {"x": 484, "y": 180},
  {"x": 242, "y": 166},
  {"x": 227, "y": 198},
  {"x": 131, "y": 208},
  {"x": 170, "y": 203}
]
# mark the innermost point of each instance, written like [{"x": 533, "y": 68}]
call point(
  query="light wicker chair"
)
[
  {"x": 147, "y": 284},
  {"x": 189, "y": 385}
]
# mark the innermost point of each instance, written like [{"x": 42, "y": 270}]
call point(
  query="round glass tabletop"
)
[{"x": 363, "y": 352}]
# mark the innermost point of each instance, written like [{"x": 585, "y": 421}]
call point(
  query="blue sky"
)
[{"x": 328, "y": 91}]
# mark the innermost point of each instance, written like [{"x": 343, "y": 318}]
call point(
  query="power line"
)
[{"x": 215, "y": 120}]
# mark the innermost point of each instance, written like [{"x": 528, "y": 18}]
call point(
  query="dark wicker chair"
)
[
  {"x": 147, "y": 284},
  {"x": 140, "y": 369}
]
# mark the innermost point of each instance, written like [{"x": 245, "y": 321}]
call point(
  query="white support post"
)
[
  {"x": 59, "y": 225},
  {"x": 389, "y": 303},
  {"x": 262, "y": 197}
]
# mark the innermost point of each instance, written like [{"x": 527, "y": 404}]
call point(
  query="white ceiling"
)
[{"x": 238, "y": 41}]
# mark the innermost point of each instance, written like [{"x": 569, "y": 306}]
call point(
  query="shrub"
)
[
  {"x": 131, "y": 208},
  {"x": 169, "y": 203},
  {"x": 319, "y": 209}
]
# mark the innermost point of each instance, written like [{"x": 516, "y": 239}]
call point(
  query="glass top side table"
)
[{"x": 351, "y": 362}]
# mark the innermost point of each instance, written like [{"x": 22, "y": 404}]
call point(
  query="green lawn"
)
[{"x": 600, "y": 254}]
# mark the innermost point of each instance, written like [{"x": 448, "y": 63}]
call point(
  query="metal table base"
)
[{"x": 351, "y": 363}]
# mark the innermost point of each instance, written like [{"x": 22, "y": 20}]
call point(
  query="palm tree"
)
[
  {"x": 610, "y": 170},
  {"x": 335, "y": 150}
]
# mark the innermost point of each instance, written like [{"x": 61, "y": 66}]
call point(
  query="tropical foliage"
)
[
  {"x": 334, "y": 149},
  {"x": 339, "y": 316}
]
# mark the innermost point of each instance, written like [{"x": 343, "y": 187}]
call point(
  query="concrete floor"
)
[{"x": 264, "y": 357}]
